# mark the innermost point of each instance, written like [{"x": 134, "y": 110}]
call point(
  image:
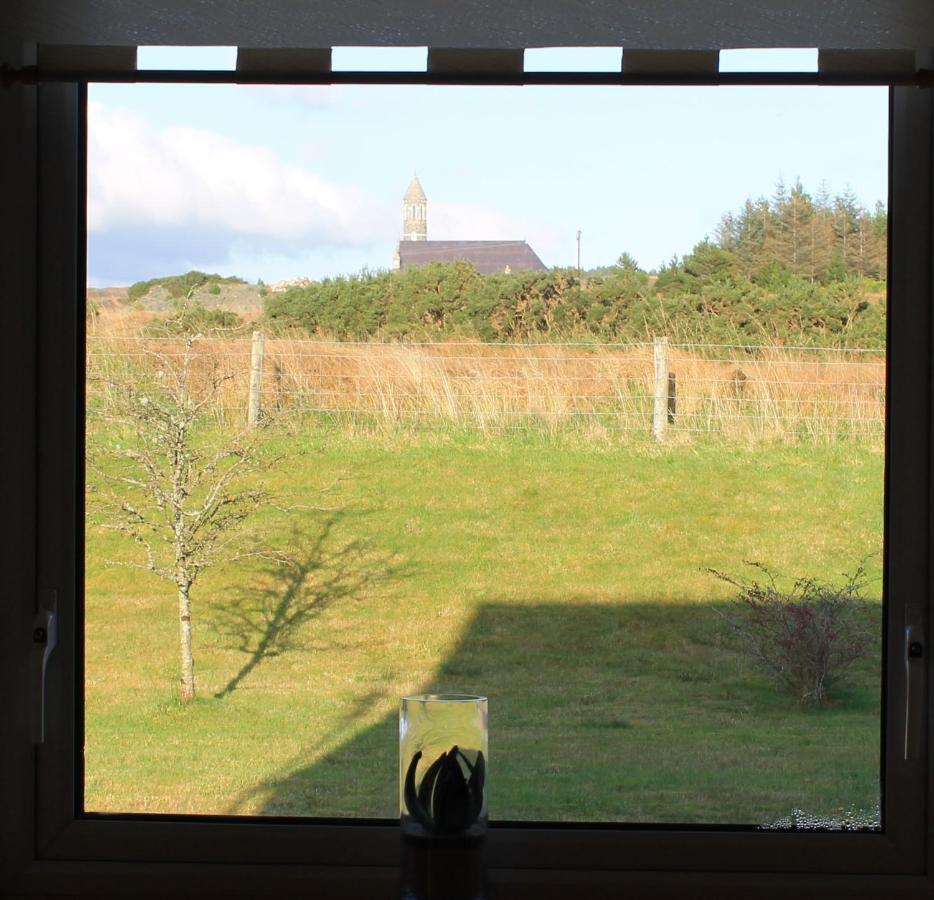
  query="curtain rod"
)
[{"x": 923, "y": 78}]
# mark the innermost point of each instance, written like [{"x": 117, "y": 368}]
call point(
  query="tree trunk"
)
[{"x": 184, "y": 634}]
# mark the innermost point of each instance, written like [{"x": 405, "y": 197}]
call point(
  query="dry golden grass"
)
[{"x": 772, "y": 393}]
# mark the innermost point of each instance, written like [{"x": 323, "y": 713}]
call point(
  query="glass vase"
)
[{"x": 443, "y": 766}]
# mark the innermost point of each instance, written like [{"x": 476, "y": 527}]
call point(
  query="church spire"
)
[{"x": 415, "y": 212}]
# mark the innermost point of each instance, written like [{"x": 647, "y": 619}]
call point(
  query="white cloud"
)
[
  {"x": 189, "y": 178},
  {"x": 167, "y": 199}
]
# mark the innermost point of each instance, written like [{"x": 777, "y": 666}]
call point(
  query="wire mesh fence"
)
[{"x": 732, "y": 392}]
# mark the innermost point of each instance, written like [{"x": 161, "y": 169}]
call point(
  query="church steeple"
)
[{"x": 415, "y": 212}]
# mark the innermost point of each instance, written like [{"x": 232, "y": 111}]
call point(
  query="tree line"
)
[
  {"x": 793, "y": 268},
  {"x": 820, "y": 237},
  {"x": 705, "y": 298}
]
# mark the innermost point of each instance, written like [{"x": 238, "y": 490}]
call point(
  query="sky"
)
[{"x": 277, "y": 182}]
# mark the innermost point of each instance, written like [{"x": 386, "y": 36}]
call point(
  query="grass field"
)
[{"x": 565, "y": 579}]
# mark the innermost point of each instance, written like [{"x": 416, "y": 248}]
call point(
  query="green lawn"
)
[{"x": 564, "y": 580}]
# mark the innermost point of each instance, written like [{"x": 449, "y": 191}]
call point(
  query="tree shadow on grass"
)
[
  {"x": 616, "y": 711},
  {"x": 267, "y": 621}
]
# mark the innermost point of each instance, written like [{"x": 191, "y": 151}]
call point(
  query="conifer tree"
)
[
  {"x": 820, "y": 251},
  {"x": 877, "y": 252},
  {"x": 750, "y": 233},
  {"x": 790, "y": 243},
  {"x": 726, "y": 232},
  {"x": 846, "y": 228}
]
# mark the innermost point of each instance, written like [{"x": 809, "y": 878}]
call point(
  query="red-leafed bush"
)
[{"x": 804, "y": 636}]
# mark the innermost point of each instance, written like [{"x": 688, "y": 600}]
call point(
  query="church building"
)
[{"x": 487, "y": 257}]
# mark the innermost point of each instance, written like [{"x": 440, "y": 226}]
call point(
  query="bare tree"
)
[{"x": 162, "y": 475}]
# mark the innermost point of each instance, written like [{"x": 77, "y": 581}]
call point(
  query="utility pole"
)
[{"x": 579, "y": 278}]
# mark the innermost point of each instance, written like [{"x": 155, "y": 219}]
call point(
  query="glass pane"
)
[{"x": 601, "y": 439}]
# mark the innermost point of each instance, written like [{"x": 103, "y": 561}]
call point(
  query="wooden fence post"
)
[
  {"x": 254, "y": 409},
  {"x": 277, "y": 377},
  {"x": 661, "y": 388},
  {"x": 672, "y": 397}
]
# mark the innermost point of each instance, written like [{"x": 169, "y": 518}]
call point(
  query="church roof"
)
[
  {"x": 415, "y": 191},
  {"x": 488, "y": 257}
]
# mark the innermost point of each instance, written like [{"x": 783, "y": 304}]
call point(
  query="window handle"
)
[
  {"x": 914, "y": 687},
  {"x": 44, "y": 639}
]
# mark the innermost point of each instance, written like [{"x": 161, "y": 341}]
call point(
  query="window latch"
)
[
  {"x": 914, "y": 690},
  {"x": 44, "y": 639}
]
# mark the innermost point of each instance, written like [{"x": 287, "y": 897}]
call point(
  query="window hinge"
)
[{"x": 44, "y": 639}]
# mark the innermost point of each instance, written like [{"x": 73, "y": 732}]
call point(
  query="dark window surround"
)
[{"x": 359, "y": 860}]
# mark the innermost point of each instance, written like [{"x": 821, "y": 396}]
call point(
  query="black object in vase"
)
[{"x": 450, "y": 798}]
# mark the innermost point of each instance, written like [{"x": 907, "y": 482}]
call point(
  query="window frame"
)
[{"x": 356, "y": 859}]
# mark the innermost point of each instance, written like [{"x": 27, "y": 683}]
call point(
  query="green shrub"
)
[
  {"x": 705, "y": 299},
  {"x": 179, "y": 286}
]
